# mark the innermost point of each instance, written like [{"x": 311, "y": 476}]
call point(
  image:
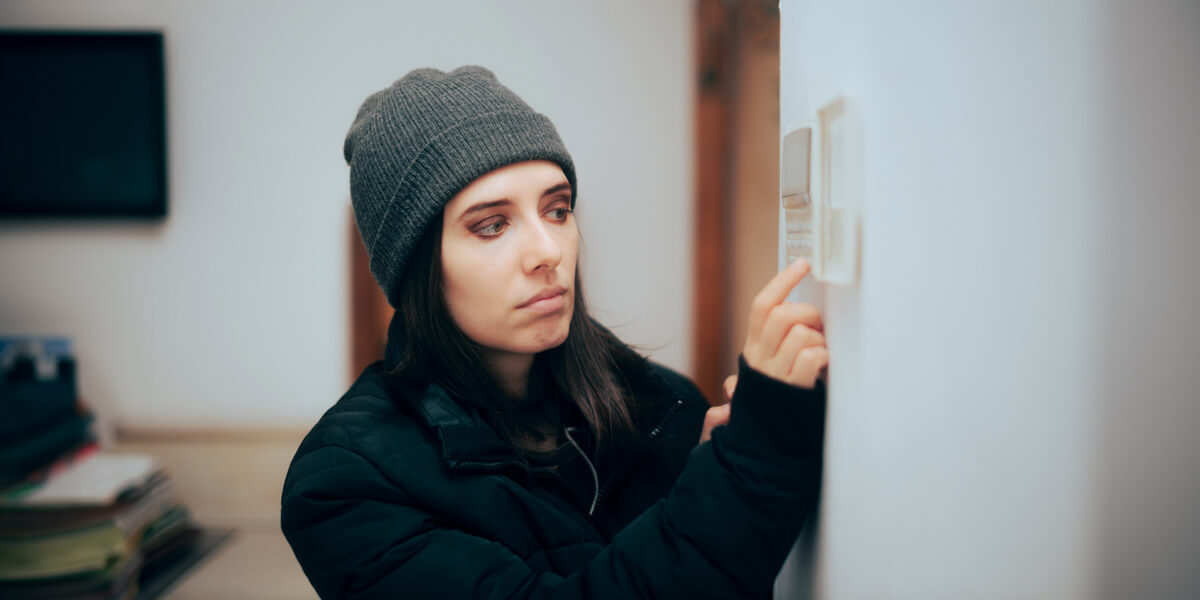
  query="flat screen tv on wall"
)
[{"x": 82, "y": 125}]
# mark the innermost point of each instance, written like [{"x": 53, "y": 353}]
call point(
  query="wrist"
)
[{"x": 769, "y": 416}]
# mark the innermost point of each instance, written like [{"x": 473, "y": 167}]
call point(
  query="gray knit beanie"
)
[{"x": 417, "y": 143}]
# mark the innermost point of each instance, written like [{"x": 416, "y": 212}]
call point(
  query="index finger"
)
[{"x": 776, "y": 291}]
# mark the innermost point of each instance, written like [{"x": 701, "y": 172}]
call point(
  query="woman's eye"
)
[
  {"x": 491, "y": 229},
  {"x": 560, "y": 214}
]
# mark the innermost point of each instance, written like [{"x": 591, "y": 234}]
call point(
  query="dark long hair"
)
[{"x": 592, "y": 370}]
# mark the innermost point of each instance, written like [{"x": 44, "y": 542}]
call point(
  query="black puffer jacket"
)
[{"x": 403, "y": 493}]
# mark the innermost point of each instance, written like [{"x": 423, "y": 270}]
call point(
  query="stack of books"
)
[
  {"x": 75, "y": 521},
  {"x": 91, "y": 530}
]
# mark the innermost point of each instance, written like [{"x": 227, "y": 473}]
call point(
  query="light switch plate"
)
[{"x": 836, "y": 201}]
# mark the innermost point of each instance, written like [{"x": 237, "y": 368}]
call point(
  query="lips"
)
[{"x": 546, "y": 294}]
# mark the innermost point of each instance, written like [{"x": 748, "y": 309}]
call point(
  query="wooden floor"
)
[{"x": 232, "y": 479}]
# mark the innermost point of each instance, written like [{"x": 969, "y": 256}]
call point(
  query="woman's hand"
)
[
  {"x": 785, "y": 340},
  {"x": 719, "y": 414}
]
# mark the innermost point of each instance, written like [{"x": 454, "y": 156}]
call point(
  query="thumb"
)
[
  {"x": 713, "y": 418},
  {"x": 730, "y": 386}
]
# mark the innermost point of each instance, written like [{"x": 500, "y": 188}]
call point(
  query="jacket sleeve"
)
[{"x": 723, "y": 530}]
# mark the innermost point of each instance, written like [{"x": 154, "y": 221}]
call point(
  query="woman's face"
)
[{"x": 509, "y": 245}]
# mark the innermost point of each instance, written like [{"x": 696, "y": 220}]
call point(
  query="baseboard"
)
[{"x": 145, "y": 433}]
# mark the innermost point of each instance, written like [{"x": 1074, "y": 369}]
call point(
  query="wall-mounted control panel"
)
[
  {"x": 797, "y": 194},
  {"x": 819, "y": 194}
]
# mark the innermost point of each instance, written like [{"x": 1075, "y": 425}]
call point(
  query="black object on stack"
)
[{"x": 41, "y": 418}]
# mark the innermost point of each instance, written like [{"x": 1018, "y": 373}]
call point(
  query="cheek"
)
[
  {"x": 473, "y": 292},
  {"x": 570, "y": 245}
]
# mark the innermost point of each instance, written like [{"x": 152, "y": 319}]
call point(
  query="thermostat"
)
[{"x": 819, "y": 194}]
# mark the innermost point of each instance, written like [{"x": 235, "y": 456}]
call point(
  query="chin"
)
[{"x": 547, "y": 338}]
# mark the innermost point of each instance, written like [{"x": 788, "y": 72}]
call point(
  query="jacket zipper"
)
[
  {"x": 599, "y": 492},
  {"x": 595, "y": 476},
  {"x": 670, "y": 413},
  {"x": 532, "y": 471},
  {"x": 653, "y": 434}
]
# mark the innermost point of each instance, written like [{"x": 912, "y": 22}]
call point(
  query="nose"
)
[{"x": 542, "y": 250}]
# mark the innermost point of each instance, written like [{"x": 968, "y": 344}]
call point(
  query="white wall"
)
[
  {"x": 998, "y": 405},
  {"x": 234, "y": 310}
]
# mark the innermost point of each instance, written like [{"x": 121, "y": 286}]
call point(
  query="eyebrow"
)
[
  {"x": 564, "y": 186},
  {"x": 482, "y": 206}
]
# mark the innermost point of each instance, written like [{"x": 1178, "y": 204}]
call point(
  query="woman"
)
[{"x": 508, "y": 446}]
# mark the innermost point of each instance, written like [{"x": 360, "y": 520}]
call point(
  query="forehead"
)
[{"x": 512, "y": 182}]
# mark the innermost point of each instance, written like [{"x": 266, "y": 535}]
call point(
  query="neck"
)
[{"x": 511, "y": 372}]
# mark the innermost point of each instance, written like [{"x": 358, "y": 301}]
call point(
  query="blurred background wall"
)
[
  {"x": 234, "y": 311},
  {"x": 1013, "y": 382}
]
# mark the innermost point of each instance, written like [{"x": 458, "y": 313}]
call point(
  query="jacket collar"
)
[
  {"x": 465, "y": 437},
  {"x": 467, "y": 441}
]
